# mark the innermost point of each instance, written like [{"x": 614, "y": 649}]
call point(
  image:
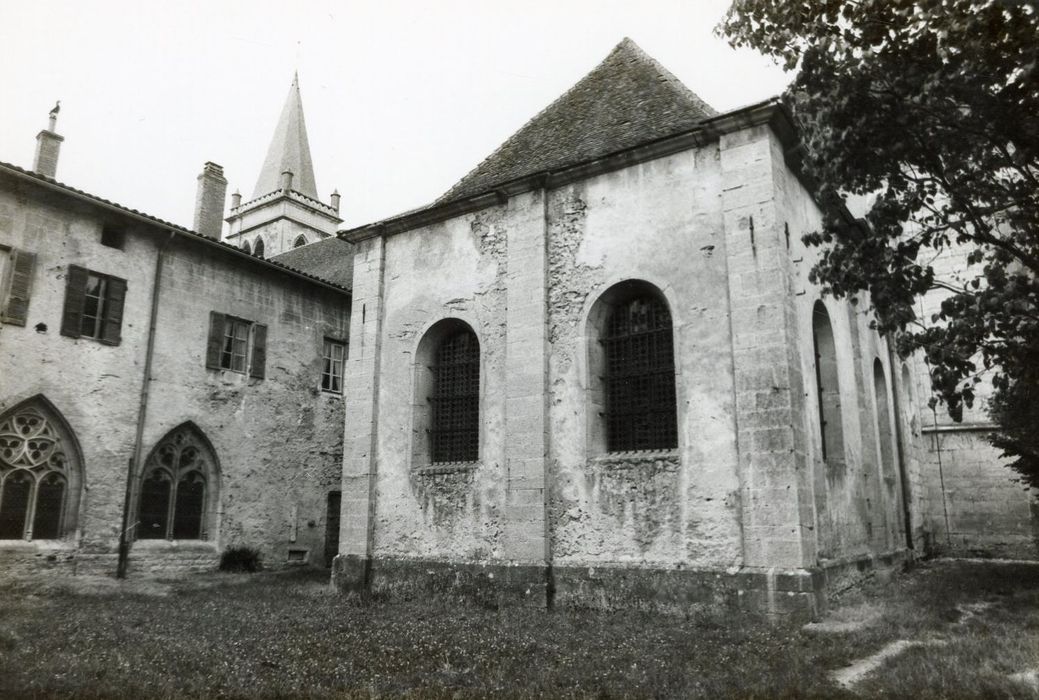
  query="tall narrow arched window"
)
[
  {"x": 246, "y": 248},
  {"x": 632, "y": 362},
  {"x": 831, "y": 427},
  {"x": 177, "y": 497},
  {"x": 39, "y": 473},
  {"x": 447, "y": 395},
  {"x": 884, "y": 432},
  {"x": 258, "y": 248},
  {"x": 301, "y": 240}
]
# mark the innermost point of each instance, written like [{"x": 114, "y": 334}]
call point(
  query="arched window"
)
[
  {"x": 884, "y": 432},
  {"x": 258, "y": 248},
  {"x": 177, "y": 492},
  {"x": 301, "y": 240},
  {"x": 246, "y": 248},
  {"x": 447, "y": 400},
  {"x": 831, "y": 427},
  {"x": 632, "y": 363},
  {"x": 39, "y": 473}
]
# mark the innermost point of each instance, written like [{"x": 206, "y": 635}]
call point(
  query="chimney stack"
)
[
  {"x": 335, "y": 201},
  {"x": 209, "y": 201},
  {"x": 48, "y": 143},
  {"x": 286, "y": 180}
]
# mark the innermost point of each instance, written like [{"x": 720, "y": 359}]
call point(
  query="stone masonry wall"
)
[
  {"x": 277, "y": 440},
  {"x": 658, "y": 222}
]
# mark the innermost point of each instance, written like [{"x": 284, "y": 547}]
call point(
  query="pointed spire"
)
[{"x": 289, "y": 150}]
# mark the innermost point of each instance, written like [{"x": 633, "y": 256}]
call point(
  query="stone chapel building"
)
[{"x": 594, "y": 372}]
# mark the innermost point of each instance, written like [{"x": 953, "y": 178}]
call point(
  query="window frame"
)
[
  {"x": 328, "y": 364},
  {"x": 254, "y": 359},
  {"x": 108, "y": 311}
]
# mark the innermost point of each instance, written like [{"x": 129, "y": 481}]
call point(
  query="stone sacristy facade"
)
[{"x": 593, "y": 373}]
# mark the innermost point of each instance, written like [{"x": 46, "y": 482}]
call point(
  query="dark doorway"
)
[{"x": 332, "y": 527}]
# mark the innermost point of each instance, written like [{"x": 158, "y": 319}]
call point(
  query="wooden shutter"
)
[
  {"x": 75, "y": 291},
  {"x": 216, "y": 340},
  {"x": 16, "y": 309},
  {"x": 113, "y": 322},
  {"x": 257, "y": 368}
]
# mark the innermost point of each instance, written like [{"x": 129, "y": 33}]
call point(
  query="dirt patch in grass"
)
[{"x": 287, "y": 635}]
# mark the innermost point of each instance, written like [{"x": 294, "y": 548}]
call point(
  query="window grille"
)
[
  {"x": 33, "y": 477},
  {"x": 172, "y": 500},
  {"x": 455, "y": 400},
  {"x": 332, "y": 369},
  {"x": 640, "y": 377}
]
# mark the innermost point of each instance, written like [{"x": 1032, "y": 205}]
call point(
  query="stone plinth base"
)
[{"x": 782, "y": 594}]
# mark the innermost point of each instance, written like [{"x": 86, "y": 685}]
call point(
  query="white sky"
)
[{"x": 401, "y": 98}]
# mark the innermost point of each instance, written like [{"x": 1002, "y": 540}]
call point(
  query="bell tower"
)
[{"x": 284, "y": 211}]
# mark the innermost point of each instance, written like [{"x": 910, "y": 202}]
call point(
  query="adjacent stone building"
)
[
  {"x": 593, "y": 373},
  {"x": 161, "y": 393}
]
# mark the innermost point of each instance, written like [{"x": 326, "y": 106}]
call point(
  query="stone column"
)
[
  {"x": 525, "y": 541},
  {"x": 776, "y": 496},
  {"x": 350, "y": 571}
]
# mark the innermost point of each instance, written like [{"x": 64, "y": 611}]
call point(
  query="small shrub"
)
[{"x": 240, "y": 559}]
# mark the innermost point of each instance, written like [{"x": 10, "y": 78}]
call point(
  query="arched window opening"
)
[
  {"x": 301, "y": 240},
  {"x": 455, "y": 400},
  {"x": 246, "y": 248},
  {"x": 831, "y": 427},
  {"x": 633, "y": 367},
  {"x": 174, "y": 499},
  {"x": 258, "y": 248},
  {"x": 37, "y": 465},
  {"x": 884, "y": 432},
  {"x": 447, "y": 395}
]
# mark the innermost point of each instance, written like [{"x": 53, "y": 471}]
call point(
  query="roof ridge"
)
[{"x": 607, "y": 90}]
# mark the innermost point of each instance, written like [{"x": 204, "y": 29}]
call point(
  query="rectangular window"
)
[
  {"x": 93, "y": 306},
  {"x": 332, "y": 368},
  {"x": 236, "y": 342},
  {"x": 237, "y": 345}
]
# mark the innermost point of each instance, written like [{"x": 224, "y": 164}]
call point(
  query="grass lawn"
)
[{"x": 285, "y": 635}]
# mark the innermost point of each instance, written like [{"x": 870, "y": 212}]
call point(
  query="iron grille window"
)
[
  {"x": 640, "y": 377},
  {"x": 455, "y": 401}
]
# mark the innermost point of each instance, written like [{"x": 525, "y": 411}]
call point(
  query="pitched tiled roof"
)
[
  {"x": 628, "y": 99},
  {"x": 331, "y": 259},
  {"x": 242, "y": 256}
]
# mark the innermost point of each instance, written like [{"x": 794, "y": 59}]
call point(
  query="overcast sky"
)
[{"x": 401, "y": 98}]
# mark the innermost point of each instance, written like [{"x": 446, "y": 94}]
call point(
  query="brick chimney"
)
[
  {"x": 209, "y": 202},
  {"x": 48, "y": 143}
]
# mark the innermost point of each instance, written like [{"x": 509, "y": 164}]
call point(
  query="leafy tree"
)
[{"x": 933, "y": 108}]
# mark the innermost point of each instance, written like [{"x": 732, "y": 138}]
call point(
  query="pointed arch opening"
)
[
  {"x": 447, "y": 395},
  {"x": 884, "y": 415},
  {"x": 246, "y": 248},
  {"x": 831, "y": 426},
  {"x": 178, "y": 489},
  {"x": 258, "y": 248},
  {"x": 40, "y": 473},
  {"x": 632, "y": 370},
  {"x": 300, "y": 241}
]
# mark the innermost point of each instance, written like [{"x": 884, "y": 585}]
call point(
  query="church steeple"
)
[
  {"x": 284, "y": 212},
  {"x": 289, "y": 150}
]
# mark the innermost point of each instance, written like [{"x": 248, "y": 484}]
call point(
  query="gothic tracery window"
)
[
  {"x": 175, "y": 491},
  {"x": 35, "y": 476}
]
